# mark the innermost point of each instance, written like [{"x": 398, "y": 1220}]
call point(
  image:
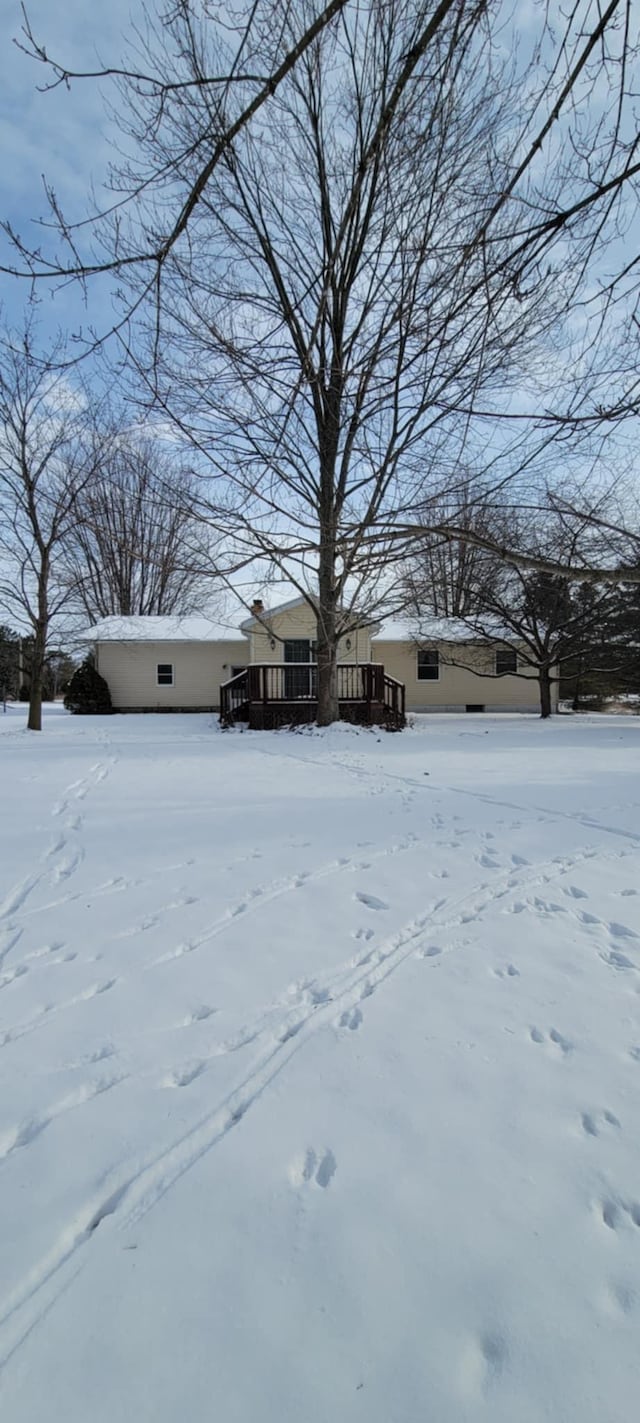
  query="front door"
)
[{"x": 300, "y": 682}]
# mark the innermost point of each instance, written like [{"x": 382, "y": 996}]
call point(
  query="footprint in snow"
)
[
  {"x": 370, "y": 901},
  {"x": 308, "y": 992},
  {"x": 13, "y": 973},
  {"x": 509, "y": 972},
  {"x": 197, "y": 1015},
  {"x": 592, "y": 1122},
  {"x": 619, "y": 1298},
  {"x": 622, "y": 931},
  {"x": 613, "y": 1213},
  {"x": 433, "y": 951},
  {"x": 21, "y": 1135},
  {"x": 351, "y": 1018},
  {"x": 482, "y": 1364},
  {"x": 309, "y": 1169},
  {"x": 554, "y": 1037},
  {"x": 183, "y": 1076},
  {"x": 97, "y": 988},
  {"x": 617, "y": 960},
  {"x": 100, "y": 1054}
]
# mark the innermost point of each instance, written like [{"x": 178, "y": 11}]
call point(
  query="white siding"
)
[
  {"x": 199, "y": 668},
  {"x": 299, "y": 622},
  {"x": 130, "y": 670},
  {"x": 458, "y": 686}
]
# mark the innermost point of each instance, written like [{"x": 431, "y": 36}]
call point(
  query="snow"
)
[
  {"x": 320, "y": 1057},
  {"x": 161, "y": 629},
  {"x": 424, "y": 629}
]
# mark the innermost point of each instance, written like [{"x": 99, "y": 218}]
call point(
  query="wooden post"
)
[{"x": 369, "y": 690}]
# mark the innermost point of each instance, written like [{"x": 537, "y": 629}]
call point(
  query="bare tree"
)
[
  {"x": 578, "y": 68},
  {"x": 538, "y": 621},
  {"x": 355, "y": 226},
  {"x": 46, "y": 462},
  {"x": 135, "y": 545},
  {"x": 610, "y": 557},
  {"x": 446, "y": 576},
  {"x": 332, "y": 309}
]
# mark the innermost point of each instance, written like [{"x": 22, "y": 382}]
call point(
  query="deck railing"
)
[
  {"x": 394, "y": 695},
  {"x": 234, "y": 699},
  {"x": 360, "y": 686}
]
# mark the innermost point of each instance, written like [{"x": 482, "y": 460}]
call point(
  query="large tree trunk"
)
[
  {"x": 544, "y": 680},
  {"x": 327, "y": 642},
  {"x": 34, "y": 722}
]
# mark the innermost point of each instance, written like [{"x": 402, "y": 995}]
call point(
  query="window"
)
[
  {"x": 428, "y": 666},
  {"x": 300, "y": 681},
  {"x": 299, "y": 649},
  {"x": 506, "y": 660},
  {"x": 165, "y": 674}
]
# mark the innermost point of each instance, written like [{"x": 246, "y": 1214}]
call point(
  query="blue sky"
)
[{"x": 63, "y": 135}]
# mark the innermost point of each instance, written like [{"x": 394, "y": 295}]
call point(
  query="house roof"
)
[
  {"x": 161, "y": 629},
  {"x": 254, "y": 621},
  {"x": 424, "y": 629},
  {"x": 266, "y": 613},
  {"x": 197, "y": 629}
]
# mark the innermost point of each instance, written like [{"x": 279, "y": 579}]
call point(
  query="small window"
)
[
  {"x": 165, "y": 674},
  {"x": 506, "y": 660},
  {"x": 474, "y": 707},
  {"x": 428, "y": 666}
]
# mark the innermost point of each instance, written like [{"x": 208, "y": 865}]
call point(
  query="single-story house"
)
[
  {"x": 182, "y": 663},
  {"x": 445, "y": 667}
]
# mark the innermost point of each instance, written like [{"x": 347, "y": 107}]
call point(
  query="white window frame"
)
[
  {"x": 502, "y": 652},
  {"x": 164, "y": 683},
  {"x": 419, "y": 652}
]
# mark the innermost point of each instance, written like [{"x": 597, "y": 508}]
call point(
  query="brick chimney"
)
[{"x": 257, "y": 607}]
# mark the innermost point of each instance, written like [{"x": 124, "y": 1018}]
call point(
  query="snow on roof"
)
[
  {"x": 197, "y": 629},
  {"x": 420, "y": 630},
  {"x": 161, "y": 629}
]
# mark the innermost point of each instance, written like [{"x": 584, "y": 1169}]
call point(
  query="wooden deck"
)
[{"x": 272, "y": 694}]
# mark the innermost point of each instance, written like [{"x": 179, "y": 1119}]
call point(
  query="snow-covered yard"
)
[{"x": 320, "y": 1062}]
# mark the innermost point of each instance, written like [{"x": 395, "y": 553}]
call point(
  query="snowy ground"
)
[{"x": 320, "y": 1064}]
